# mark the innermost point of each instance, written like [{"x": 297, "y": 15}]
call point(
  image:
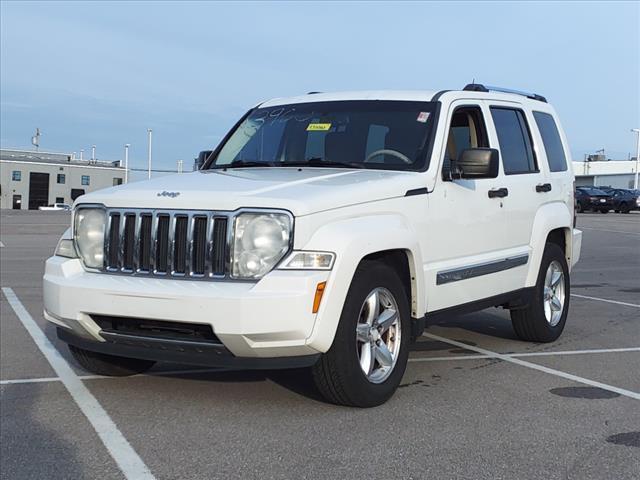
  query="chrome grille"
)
[{"x": 166, "y": 243}]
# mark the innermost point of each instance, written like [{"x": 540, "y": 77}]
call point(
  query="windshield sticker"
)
[
  {"x": 423, "y": 117},
  {"x": 318, "y": 127}
]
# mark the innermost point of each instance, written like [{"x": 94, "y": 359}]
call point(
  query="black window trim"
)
[{"x": 528, "y": 128}]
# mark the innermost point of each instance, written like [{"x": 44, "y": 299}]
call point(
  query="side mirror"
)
[
  {"x": 202, "y": 157},
  {"x": 476, "y": 163}
]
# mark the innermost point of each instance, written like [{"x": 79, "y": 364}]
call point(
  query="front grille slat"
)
[
  {"x": 144, "y": 243},
  {"x": 177, "y": 244},
  {"x": 162, "y": 244},
  {"x": 180, "y": 245},
  {"x": 128, "y": 243},
  {"x": 219, "y": 246},
  {"x": 198, "y": 246}
]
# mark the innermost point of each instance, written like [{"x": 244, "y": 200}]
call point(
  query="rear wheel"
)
[
  {"x": 580, "y": 208},
  {"x": 624, "y": 208},
  {"x": 544, "y": 318},
  {"x": 109, "y": 365},
  {"x": 368, "y": 357},
  {"x": 604, "y": 210}
]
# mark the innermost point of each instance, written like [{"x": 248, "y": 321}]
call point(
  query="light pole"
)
[
  {"x": 179, "y": 166},
  {"x": 637, "y": 132},
  {"x": 81, "y": 154},
  {"x": 93, "y": 153},
  {"x": 126, "y": 163},
  {"x": 149, "y": 132}
]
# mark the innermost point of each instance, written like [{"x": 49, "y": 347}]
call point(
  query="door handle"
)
[
  {"x": 498, "y": 192},
  {"x": 543, "y": 187}
]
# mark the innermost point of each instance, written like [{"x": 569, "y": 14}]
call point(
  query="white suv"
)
[{"x": 323, "y": 232}]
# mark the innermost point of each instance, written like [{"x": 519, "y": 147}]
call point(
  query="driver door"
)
[{"x": 467, "y": 242}]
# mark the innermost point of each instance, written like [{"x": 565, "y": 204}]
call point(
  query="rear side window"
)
[
  {"x": 552, "y": 142},
  {"x": 516, "y": 148}
]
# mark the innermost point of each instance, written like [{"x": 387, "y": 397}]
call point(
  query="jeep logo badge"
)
[{"x": 168, "y": 194}]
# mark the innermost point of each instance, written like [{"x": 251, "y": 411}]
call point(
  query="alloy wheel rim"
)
[
  {"x": 378, "y": 335},
  {"x": 554, "y": 293}
]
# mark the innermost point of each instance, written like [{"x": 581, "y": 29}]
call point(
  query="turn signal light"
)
[{"x": 318, "y": 296}]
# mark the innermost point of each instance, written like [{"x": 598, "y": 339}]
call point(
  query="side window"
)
[
  {"x": 85, "y": 180},
  {"x": 61, "y": 179},
  {"x": 16, "y": 175},
  {"x": 516, "y": 149},
  {"x": 552, "y": 142},
  {"x": 467, "y": 130}
]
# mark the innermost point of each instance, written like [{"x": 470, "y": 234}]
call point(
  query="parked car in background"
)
[
  {"x": 591, "y": 198},
  {"x": 56, "y": 207},
  {"x": 625, "y": 200}
]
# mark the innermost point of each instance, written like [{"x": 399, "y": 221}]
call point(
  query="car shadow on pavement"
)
[
  {"x": 298, "y": 381},
  {"x": 28, "y": 447},
  {"x": 485, "y": 322}
]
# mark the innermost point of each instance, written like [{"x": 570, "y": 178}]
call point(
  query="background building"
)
[
  {"x": 608, "y": 173},
  {"x": 30, "y": 179}
]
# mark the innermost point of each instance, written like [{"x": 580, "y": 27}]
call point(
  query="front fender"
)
[
  {"x": 351, "y": 240},
  {"x": 550, "y": 216}
]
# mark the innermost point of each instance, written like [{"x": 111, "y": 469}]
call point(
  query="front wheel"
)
[
  {"x": 368, "y": 357},
  {"x": 544, "y": 318}
]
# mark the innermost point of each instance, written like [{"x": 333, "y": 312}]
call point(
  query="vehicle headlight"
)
[
  {"x": 89, "y": 236},
  {"x": 260, "y": 240}
]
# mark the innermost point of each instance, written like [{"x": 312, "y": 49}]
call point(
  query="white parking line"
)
[
  {"x": 609, "y": 231},
  {"x": 122, "y": 452},
  {"x": 527, "y": 354},
  {"x": 29, "y": 380},
  {"x": 534, "y": 366},
  {"x": 605, "y": 300}
]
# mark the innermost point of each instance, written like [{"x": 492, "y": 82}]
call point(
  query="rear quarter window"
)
[{"x": 551, "y": 141}]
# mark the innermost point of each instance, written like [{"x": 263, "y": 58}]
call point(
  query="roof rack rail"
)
[
  {"x": 312, "y": 93},
  {"x": 477, "y": 87}
]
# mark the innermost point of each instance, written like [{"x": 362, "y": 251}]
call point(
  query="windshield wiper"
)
[
  {"x": 245, "y": 163},
  {"x": 319, "y": 162}
]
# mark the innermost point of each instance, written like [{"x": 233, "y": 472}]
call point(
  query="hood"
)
[{"x": 302, "y": 191}]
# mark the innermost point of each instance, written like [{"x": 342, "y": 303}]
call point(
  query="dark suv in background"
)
[
  {"x": 624, "y": 200},
  {"x": 591, "y": 198}
]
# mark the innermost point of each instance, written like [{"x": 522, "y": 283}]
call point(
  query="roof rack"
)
[{"x": 477, "y": 87}]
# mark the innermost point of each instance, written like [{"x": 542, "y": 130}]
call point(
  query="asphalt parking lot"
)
[{"x": 475, "y": 402}]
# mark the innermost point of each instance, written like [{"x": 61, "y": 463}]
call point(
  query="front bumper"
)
[{"x": 267, "y": 319}]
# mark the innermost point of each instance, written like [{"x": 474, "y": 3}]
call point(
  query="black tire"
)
[
  {"x": 624, "y": 208},
  {"x": 530, "y": 323},
  {"x": 337, "y": 374},
  {"x": 604, "y": 210},
  {"x": 109, "y": 365},
  {"x": 580, "y": 208}
]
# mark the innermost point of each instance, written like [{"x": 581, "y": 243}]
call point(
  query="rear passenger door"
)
[{"x": 525, "y": 181}]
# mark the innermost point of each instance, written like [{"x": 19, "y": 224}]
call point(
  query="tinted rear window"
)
[
  {"x": 552, "y": 142},
  {"x": 516, "y": 150}
]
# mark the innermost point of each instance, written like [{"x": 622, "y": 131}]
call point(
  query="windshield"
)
[{"x": 344, "y": 134}]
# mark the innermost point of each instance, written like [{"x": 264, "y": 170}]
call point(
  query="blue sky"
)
[{"x": 102, "y": 73}]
